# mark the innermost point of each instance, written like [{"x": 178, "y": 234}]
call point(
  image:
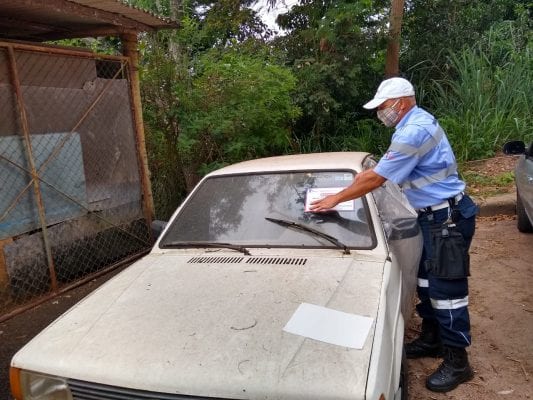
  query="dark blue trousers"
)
[{"x": 444, "y": 300}]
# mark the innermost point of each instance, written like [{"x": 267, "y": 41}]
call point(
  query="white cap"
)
[{"x": 392, "y": 88}]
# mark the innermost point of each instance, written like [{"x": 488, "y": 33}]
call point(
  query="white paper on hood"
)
[{"x": 329, "y": 326}]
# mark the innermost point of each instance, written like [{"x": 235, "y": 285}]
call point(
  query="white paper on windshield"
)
[
  {"x": 319, "y": 193},
  {"x": 329, "y": 326}
]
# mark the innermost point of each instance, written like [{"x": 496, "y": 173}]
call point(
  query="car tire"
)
[
  {"x": 522, "y": 220},
  {"x": 404, "y": 377}
]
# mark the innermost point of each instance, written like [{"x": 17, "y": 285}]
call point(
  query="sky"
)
[{"x": 269, "y": 17}]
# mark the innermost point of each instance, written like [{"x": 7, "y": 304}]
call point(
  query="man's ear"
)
[{"x": 403, "y": 104}]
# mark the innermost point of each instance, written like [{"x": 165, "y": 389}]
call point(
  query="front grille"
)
[
  {"x": 215, "y": 260},
  {"x": 248, "y": 260},
  {"x": 94, "y": 391},
  {"x": 276, "y": 260}
]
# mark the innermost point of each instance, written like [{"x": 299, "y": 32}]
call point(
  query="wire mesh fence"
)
[{"x": 70, "y": 178}]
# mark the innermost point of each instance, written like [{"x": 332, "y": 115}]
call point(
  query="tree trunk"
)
[
  {"x": 392, "y": 60},
  {"x": 176, "y": 13}
]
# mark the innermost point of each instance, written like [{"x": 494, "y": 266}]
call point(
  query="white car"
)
[{"x": 246, "y": 295}]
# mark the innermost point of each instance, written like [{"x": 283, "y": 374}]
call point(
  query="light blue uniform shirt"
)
[{"x": 421, "y": 160}]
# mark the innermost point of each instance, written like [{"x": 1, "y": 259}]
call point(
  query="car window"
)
[{"x": 232, "y": 209}]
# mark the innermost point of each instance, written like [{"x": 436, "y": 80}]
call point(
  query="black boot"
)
[
  {"x": 428, "y": 344},
  {"x": 453, "y": 371}
]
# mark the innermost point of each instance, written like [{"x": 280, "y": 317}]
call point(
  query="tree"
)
[
  {"x": 392, "y": 61},
  {"x": 336, "y": 50},
  {"x": 240, "y": 108},
  {"x": 212, "y": 94}
]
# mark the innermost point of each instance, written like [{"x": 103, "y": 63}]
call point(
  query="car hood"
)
[{"x": 212, "y": 326}]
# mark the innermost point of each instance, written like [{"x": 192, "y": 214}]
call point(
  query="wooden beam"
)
[
  {"x": 129, "y": 45},
  {"x": 21, "y": 23},
  {"x": 54, "y": 49},
  {"x": 43, "y": 32},
  {"x": 62, "y": 7},
  {"x": 97, "y": 31}
]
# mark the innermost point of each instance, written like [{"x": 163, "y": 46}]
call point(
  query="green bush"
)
[
  {"x": 367, "y": 135},
  {"x": 230, "y": 107}
]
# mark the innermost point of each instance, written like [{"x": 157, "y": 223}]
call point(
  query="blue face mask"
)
[{"x": 389, "y": 116}]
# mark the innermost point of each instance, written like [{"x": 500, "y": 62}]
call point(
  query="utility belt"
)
[
  {"x": 452, "y": 201},
  {"x": 449, "y": 252}
]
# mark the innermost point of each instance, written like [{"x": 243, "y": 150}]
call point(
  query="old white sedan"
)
[{"x": 246, "y": 295}]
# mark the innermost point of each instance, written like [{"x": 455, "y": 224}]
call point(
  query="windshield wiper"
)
[
  {"x": 208, "y": 244},
  {"x": 305, "y": 228}
]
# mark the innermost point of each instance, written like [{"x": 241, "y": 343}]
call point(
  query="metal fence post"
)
[{"x": 34, "y": 176}]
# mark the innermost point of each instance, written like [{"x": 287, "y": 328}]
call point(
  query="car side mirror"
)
[
  {"x": 157, "y": 228},
  {"x": 514, "y": 147}
]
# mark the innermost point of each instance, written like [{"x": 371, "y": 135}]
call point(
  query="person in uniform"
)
[{"x": 421, "y": 160}]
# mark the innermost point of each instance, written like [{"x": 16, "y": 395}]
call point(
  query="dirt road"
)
[{"x": 501, "y": 301}]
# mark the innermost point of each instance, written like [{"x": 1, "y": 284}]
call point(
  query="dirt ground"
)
[
  {"x": 501, "y": 311},
  {"x": 489, "y": 177}
]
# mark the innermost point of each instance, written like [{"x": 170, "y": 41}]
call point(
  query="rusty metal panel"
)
[
  {"x": 9, "y": 120},
  {"x": 44, "y": 70},
  {"x": 71, "y": 194},
  {"x": 56, "y": 101},
  {"x": 63, "y": 176},
  {"x": 4, "y": 70}
]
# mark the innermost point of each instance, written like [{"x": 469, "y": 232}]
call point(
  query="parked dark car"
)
[{"x": 524, "y": 183}]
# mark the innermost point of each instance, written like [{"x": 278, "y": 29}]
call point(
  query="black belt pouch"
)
[{"x": 450, "y": 259}]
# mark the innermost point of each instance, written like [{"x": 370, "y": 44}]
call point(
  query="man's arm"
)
[{"x": 363, "y": 183}]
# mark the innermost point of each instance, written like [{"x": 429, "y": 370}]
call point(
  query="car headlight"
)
[{"x": 27, "y": 385}]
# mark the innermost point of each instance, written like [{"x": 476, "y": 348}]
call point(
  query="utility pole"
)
[{"x": 392, "y": 59}]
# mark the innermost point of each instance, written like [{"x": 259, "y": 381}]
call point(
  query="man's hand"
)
[
  {"x": 325, "y": 204},
  {"x": 363, "y": 183}
]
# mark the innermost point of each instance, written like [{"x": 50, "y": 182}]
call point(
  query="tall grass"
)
[{"x": 489, "y": 100}]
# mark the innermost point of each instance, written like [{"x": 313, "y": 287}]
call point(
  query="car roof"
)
[{"x": 310, "y": 161}]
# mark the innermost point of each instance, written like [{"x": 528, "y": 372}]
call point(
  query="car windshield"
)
[{"x": 269, "y": 210}]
